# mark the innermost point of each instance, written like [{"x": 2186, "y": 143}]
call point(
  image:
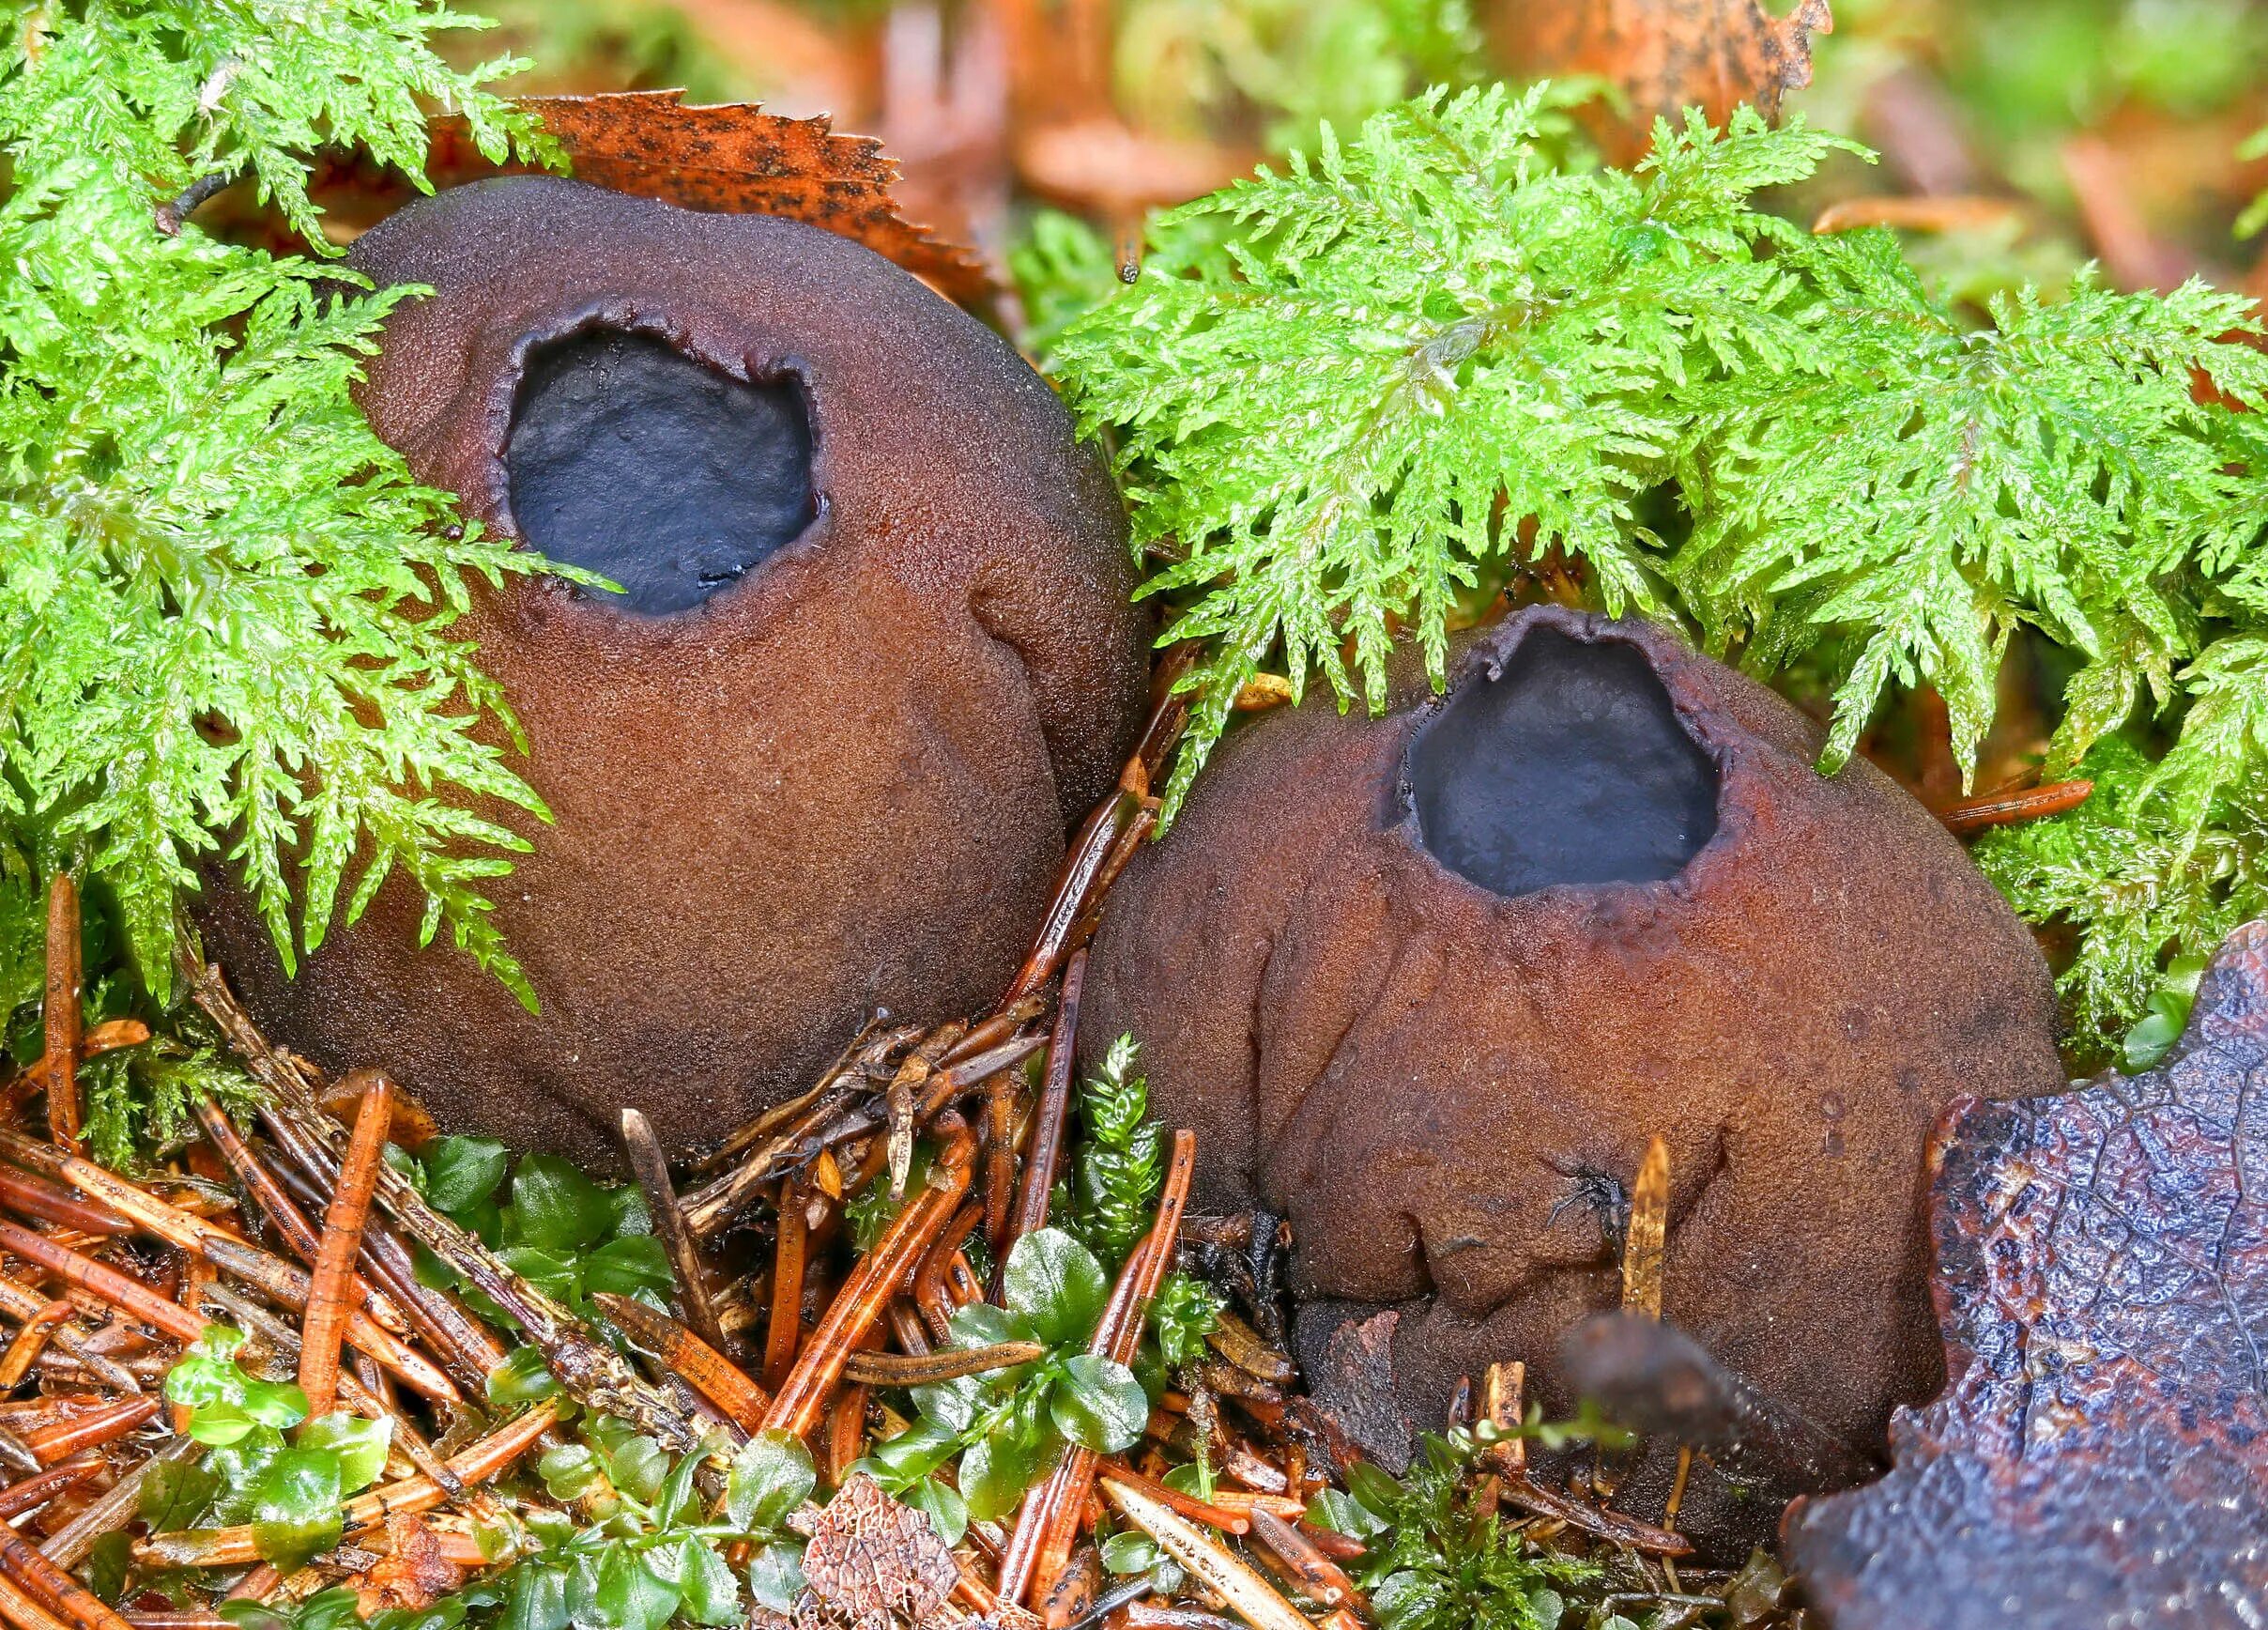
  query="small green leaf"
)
[
  {"x": 361, "y": 1446},
  {"x": 775, "y": 1574},
  {"x": 1375, "y": 1490},
  {"x": 461, "y": 1172},
  {"x": 638, "y": 1468},
  {"x": 1099, "y": 1403},
  {"x": 634, "y": 1263},
  {"x": 710, "y": 1596},
  {"x": 630, "y": 1596},
  {"x": 1343, "y": 1513},
  {"x": 537, "y": 1600},
  {"x": 570, "y": 1472},
  {"x": 556, "y": 1207},
  {"x": 1054, "y": 1283},
  {"x": 297, "y": 1510},
  {"x": 522, "y": 1378},
  {"x": 770, "y": 1477},
  {"x": 913, "y": 1453},
  {"x": 997, "y": 1469},
  {"x": 1130, "y": 1551}
]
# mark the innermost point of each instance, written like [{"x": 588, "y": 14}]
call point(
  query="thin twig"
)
[
  {"x": 652, "y": 1167},
  {"x": 784, "y": 1335},
  {"x": 2005, "y": 808},
  {"x": 1049, "y": 1116},
  {"x": 230, "y": 1546},
  {"x": 1048, "y": 1521}
]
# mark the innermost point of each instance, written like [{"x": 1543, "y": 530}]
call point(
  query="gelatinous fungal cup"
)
[
  {"x": 1426, "y": 984},
  {"x": 873, "y": 651}
]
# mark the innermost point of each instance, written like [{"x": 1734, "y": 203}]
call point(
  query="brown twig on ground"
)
[
  {"x": 22, "y": 1611},
  {"x": 66, "y": 1548},
  {"x": 2005, "y": 808},
  {"x": 327, "y": 1294},
  {"x": 1252, "y": 1598},
  {"x": 56, "y": 1444},
  {"x": 802, "y": 1395},
  {"x": 282, "y": 1282},
  {"x": 1189, "y": 1505},
  {"x": 31, "y": 1493},
  {"x": 1049, "y": 1518},
  {"x": 1049, "y": 1115},
  {"x": 61, "y": 1014},
  {"x": 708, "y": 1373},
  {"x": 1308, "y": 1570},
  {"x": 652, "y": 1168}
]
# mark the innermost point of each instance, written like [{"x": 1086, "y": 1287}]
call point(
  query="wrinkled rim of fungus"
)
[
  {"x": 1718, "y": 737},
  {"x": 782, "y": 369}
]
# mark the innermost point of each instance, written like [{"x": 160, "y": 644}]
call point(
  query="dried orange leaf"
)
[
  {"x": 1667, "y": 56},
  {"x": 730, "y": 159}
]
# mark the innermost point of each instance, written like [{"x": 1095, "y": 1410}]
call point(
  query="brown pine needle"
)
[
  {"x": 328, "y": 1290},
  {"x": 2005, "y": 808},
  {"x": 784, "y": 1335},
  {"x": 1646, "y": 1240},
  {"x": 1189, "y": 1505},
  {"x": 1253, "y": 1599},
  {"x": 920, "y": 1369},
  {"x": 1049, "y": 1116},
  {"x": 652, "y": 1168},
  {"x": 18, "y": 1609},
  {"x": 61, "y": 1012},
  {"x": 58, "y": 1443},
  {"x": 710, "y": 1373},
  {"x": 803, "y": 1396},
  {"x": 284, "y": 1281},
  {"x": 38, "y": 1489},
  {"x": 129, "y": 1295},
  {"x": 54, "y": 1586}
]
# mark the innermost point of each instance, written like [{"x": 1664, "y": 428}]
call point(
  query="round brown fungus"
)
[
  {"x": 872, "y": 651},
  {"x": 1427, "y": 985}
]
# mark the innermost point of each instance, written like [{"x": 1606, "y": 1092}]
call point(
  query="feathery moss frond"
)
[{"x": 224, "y": 602}]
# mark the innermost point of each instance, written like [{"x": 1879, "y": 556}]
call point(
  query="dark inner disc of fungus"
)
[
  {"x": 1568, "y": 767},
  {"x": 638, "y": 463}
]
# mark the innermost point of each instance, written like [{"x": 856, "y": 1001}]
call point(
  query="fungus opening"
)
[
  {"x": 1568, "y": 767},
  {"x": 632, "y": 460}
]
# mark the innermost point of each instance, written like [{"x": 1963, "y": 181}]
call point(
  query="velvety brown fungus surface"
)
[
  {"x": 874, "y": 649},
  {"x": 1426, "y": 984}
]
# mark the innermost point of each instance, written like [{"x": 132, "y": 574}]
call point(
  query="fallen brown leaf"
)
[
  {"x": 1666, "y": 55},
  {"x": 732, "y": 158},
  {"x": 872, "y": 1560},
  {"x": 417, "y": 1573},
  {"x": 2100, "y": 1453}
]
